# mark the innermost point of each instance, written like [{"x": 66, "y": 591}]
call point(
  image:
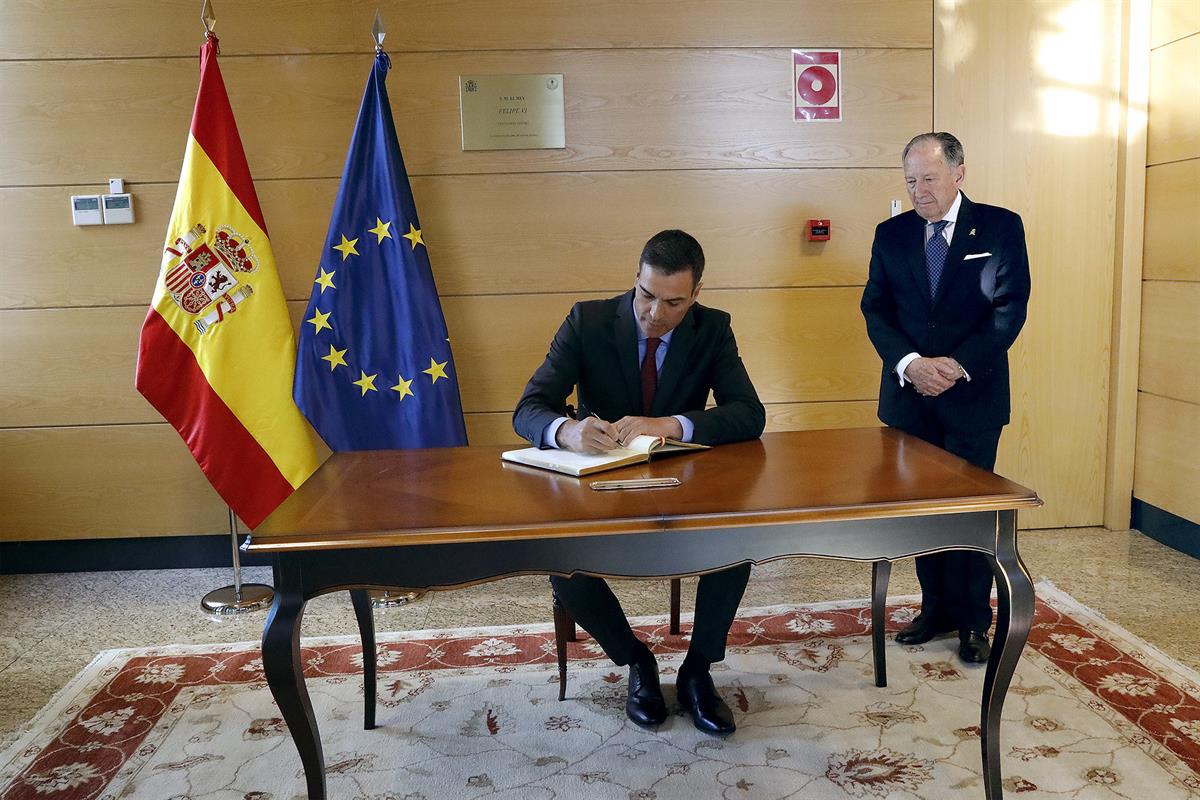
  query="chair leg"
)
[
  {"x": 675, "y": 606},
  {"x": 564, "y": 631},
  {"x": 880, "y": 572}
]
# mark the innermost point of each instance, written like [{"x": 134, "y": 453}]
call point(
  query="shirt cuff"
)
[
  {"x": 966, "y": 374},
  {"x": 903, "y": 365},
  {"x": 550, "y": 431},
  {"x": 688, "y": 426}
]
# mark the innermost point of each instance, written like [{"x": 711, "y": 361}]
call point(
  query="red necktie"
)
[{"x": 649, "y": 373}]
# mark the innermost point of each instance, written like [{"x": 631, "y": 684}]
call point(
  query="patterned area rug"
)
[{"x": 1093, "y": 713}]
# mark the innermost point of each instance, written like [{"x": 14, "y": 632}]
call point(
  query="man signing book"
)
[{"x": 645, "y": 362}]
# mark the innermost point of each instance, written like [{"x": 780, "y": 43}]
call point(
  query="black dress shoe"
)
[
  {"x": 973, "y": 647},
  {"x": 645, "y": 705},
  {"x": 709, "y": 712},
  {"x": 921, "y": 630}
]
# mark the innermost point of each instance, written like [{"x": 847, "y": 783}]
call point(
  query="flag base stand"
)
[
  {"x": 240, "y": 598},
  {"x": 388, "y": 599},
  {"x": 228, "y": 601}
]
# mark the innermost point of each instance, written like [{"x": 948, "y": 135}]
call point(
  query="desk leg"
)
[
  {"x": 1014, "y": 617},
  {"x": 881, "y": 571},
  {"x": 361, "y": 601},
  {"x": 285, "y": 676}
]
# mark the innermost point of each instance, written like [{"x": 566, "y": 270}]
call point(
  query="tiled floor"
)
[{"x": 52, "y": 625}]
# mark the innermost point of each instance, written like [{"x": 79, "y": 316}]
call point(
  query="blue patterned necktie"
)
[{"x": 935, "y": 255}]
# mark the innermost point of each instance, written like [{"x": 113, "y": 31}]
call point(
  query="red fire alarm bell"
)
[{"x": 818, "y": 230}]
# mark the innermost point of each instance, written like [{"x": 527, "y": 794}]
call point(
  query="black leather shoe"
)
[
  {"x": 921, "y": 630},
  {"x": 709, "y": 712},
  {"x": 645, "y": 705},
  {"x": 973, "y": 647}
]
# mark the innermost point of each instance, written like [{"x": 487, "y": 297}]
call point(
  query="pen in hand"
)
[{"x": 602, "y": 437}]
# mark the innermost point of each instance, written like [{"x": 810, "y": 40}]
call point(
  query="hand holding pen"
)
[{"x": 588, "y": 435}]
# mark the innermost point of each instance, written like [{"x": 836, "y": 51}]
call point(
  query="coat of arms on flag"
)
[{"x": 200, "y": 274}]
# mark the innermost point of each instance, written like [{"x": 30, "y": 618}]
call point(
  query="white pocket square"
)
[{"x": 976, "y": 255}]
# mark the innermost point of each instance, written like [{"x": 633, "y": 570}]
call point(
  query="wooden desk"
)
[{"x": 434, "y": 519}]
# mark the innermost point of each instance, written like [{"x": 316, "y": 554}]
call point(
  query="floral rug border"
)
[{"x": 1147, "y": 696}]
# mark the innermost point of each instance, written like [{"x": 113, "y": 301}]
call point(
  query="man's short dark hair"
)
[
  {"x": 952, "y": 149},
  {"x": 674, "y": 251}
]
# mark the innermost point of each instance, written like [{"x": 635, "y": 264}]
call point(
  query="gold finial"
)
[
  {"x": 208, "y": 17},
  {"x": 377, "y": 32}
]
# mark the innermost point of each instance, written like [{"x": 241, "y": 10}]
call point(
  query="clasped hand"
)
[
  {"x": 932, "y": 376},
  {"x": 594, "y": 435}
]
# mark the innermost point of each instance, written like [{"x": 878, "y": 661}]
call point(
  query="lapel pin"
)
[{"x": 972, "y": 232}]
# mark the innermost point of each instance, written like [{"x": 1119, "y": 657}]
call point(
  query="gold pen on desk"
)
[{"x": 634, "y": 483}]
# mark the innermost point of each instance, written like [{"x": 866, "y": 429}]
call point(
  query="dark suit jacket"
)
[
  {"x": 976, "y": 316},
  {"x": 596, "y": 350}
]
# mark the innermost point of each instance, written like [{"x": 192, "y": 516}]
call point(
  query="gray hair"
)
[{"x": 952, "y": 149}]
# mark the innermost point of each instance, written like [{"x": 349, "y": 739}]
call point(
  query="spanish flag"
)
[{"x": 217, "y": 350}]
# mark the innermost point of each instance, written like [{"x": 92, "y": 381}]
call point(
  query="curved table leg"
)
[
  {"x": 285, "y": 676},
  {"x": 1014, "y": 617},
  {"x": 361, "y": 600},
  {"x": 881, "y": 571}
]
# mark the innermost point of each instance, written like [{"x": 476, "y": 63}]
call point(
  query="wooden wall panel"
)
[
  {"x": 71, "y": 366},
  {"x": 51, "y": 263},
  {"x": 798, "y": 344},
  {"x": 1172, "y": 247},
  {"x": 1173, "y": 19},
  {"x": 492, "y": 428},
  {"x": 590, "y": 228},
  {"x": 1167, "y": 471},
  {"x": 750, "y": 223},
  {"x": 1170, "y": 363},
  {"x": 821, "y": 416},
  {"x": 75, "y": 366},
  {"x": 94, "y": 482},
  {"x": 803, "y": 344},
  {"x": 113, "y": 481},
  {"x": 1173, "y": 131},
  {"x": 126, "y": 28},
  {"x": 295, "y": 113},
  {"x": 496, "y": 427},
  {"x": 1031, "y": 144}
]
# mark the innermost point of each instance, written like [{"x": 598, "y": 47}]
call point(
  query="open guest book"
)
[{"x": 639, "y": 449}]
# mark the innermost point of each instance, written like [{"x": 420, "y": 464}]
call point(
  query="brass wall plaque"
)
[{"x": 512, "y": 112}]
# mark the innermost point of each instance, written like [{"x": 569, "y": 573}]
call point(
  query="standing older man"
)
[{"x": 945, "y": 299}]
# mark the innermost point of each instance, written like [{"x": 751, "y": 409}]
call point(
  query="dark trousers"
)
[
  {"x": 956, "y": 586},
  {"x": 596, "y": 608}
]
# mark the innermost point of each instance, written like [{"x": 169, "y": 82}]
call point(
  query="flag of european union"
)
[{"x": 373, "y": 367}]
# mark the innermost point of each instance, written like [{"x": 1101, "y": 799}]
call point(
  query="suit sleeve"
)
[
  {"x": 989, "y": 343},
  {"x": 545, "y": 396},
  {"x": 879, "y": 309},
  {"x": 739, "y": 414}
]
